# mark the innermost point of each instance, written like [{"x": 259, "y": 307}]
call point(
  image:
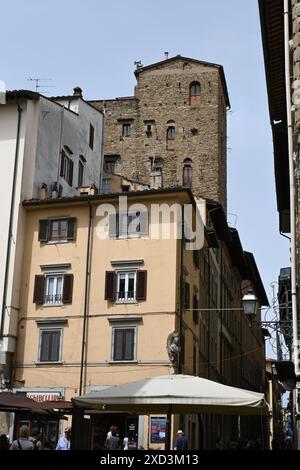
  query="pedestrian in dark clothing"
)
[
  {"x": 113, "y": 442},
  {"x": 181, "y": 442},
  {"x": 4, "y": 442}
]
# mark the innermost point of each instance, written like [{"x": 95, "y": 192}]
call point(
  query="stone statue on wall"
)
[{"x": 173, "y": 347}]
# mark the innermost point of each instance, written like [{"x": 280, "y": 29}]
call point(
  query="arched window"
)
[
  {"x": 187, "y": 173},
  {"x": 171, "y": 133},
  {"x": 195, "y": 93},
  {"x": 171, "y": 138}
]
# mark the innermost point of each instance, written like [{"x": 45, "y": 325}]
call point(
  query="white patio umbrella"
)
[{"x": 176, "y": 394}]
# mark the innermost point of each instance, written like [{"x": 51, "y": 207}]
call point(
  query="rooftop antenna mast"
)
[{"x": 37, "y": 81}]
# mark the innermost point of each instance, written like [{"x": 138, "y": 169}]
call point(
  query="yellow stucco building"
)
[{"x": 103, "y": 299}]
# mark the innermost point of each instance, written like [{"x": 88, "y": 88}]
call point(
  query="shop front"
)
[{"x": 43, "y": 424}]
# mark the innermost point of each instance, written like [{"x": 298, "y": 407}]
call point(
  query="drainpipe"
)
[
  {"x": 180, "y": 358},
  {"x": 61, "y": 130},
  {"x": 102, "y": 150},
  {"x": 11, "y": 219},
  {"x": 86, "y": 301},
  {"x": 292, "y": 184}
]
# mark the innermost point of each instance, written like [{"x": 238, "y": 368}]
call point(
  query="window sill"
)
[
  {"x": 123, "y": 362},
  {"x": 52, "y": 305},
  {"x": 130, "y": 237},
  {"x": 56, "y": 242},
  {"x": 47, "y": 363},
  {"x": 122, "y": 302}
]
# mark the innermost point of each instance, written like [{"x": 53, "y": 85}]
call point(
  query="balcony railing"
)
[
  {"x": 126, "y": 296},
  {"x": 53, "y": 299}
]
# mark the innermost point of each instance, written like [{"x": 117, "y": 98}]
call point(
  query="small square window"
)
[
  {"x": 126, "y": 130},
  {"x": 50, "y": 345}
]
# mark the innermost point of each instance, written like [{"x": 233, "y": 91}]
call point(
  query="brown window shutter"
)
[
  {"x": 129, "y": 344},
  {"x": 43, "y": 230},
  {"x": 39, "y": 289},
  {"x": 141, "y": 285},
  {"x": 118, "y": 345},
  {"x": 68, "y": 288},
  {"x": 71, "y": 168},
  {"x": 71, "y": 228},
  {"x": 110, "y": 285}
]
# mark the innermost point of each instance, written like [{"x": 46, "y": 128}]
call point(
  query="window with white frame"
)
[
  {"x": 54, "y": 289},
  {"x": 66, "y": 168},
  {"x": 81, "y": 167},
  {"x": 124, "y": 343},
  {"x": 126, "y": 286},
  {"x": 50, "y": 344}
]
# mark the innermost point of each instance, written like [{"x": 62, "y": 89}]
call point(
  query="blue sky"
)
[{"x": 94, "y": 44}]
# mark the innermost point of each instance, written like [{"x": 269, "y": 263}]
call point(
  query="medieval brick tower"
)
[{"x": 172, "y": 132}]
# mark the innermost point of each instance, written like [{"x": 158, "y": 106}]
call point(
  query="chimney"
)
[
  {"x": 77, "y": 91},
  {"x": 43, "y": 191},
  {"x": 166, "y": 55}
]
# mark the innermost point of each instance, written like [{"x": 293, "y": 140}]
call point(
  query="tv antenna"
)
[{"x": 37, "y": 81}]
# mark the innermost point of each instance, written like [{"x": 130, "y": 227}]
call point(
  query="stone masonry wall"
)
[{"x": 161, "y": 100}]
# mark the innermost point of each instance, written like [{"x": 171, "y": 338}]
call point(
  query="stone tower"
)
[{"x": 172, "y": 132}]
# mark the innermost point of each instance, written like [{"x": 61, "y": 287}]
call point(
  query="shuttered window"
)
[
  {"x": 66, "y": 168},
  {"x": 131, "y": 225},
  {"x": 39, "y": 289},
  {"x": 125, "y": 286},
  {"x": 68, "y": 288},
  {"x": 186, "y": 295},
  {"x": 56, "y": 230},
  {"x": 110, "y": 286},
  {"x": 91, "y": 137},
  {"x": 123, "y": 344},
  {"x": 50, "y": 345},
  {"x": 195, "y": 309},
  {"x": 51, "y": 289},
  {"x": 141, "y": 285}
]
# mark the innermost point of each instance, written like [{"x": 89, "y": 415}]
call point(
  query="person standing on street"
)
[
  {"x": 64, "y": 442},
  {"x": 181, "y": 442},
  {"x": 23, "y": 443}
]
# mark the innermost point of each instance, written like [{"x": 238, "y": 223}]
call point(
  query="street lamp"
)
[{"x": 250, "y": 304}]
